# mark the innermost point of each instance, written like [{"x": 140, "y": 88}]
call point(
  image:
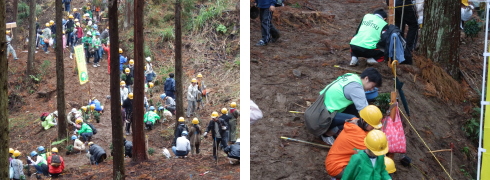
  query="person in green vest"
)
[
  {"x": 368, "y": 34},
  {"x": 345, "y": 97},
  {"x": 50, "y": 120},
  {"x": 87, "y": 44},
  {"x": 85, "y": 131},
  {"x": 150, "y": 118},
  {"x": 369, "y": 164}
]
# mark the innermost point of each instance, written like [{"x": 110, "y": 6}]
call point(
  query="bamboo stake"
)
[
  {"x": 297, "y": 140},
  {"x": 442, "y": 150},
  {"x": 297, "y": 112}
]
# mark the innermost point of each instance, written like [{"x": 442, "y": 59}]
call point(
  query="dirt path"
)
[{"x": 310, "y": 44}]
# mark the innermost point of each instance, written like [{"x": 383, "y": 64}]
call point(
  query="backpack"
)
[
  {"x": 384, "y": 42},
  {"x": 44, "y": 115},
  {"x": 55, "y": 161},
  {"x": 317, "y": 117},
  {"x": 93, "y": 128}
]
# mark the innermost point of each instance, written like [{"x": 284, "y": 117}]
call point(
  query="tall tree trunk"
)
[
  {"x": 32, "y": 38},
  {"x": 15, "y": 30},
  {"x": 139, "y": 148},
  {"x": 178, "y": 64},
  {"x": 117, "y": 123},
  {"x": 60, "y": 75},
  {"x": 440, "y": 35},
  {"x": 4, "y": 123}
]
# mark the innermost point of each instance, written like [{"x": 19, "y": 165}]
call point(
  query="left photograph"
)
[{"x": 165, "y": 105}]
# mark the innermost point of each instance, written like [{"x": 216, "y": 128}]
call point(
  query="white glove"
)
[
  {"x": 29, "y": 157},
  {"x": 224, "y": 128},
  {"x": 205, "y": 133}
]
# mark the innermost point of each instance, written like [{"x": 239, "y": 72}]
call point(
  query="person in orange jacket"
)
[
  {"x": 107, "y": 50},
  {"x": 56, "y": 164}
]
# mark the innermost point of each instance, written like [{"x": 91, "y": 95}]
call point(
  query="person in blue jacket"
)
[{"x": 122, "y": 60}]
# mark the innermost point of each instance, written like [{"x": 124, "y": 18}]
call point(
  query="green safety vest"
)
[
  {"x": 335, "y": 100},
  {"x": 369, "y": 32}
]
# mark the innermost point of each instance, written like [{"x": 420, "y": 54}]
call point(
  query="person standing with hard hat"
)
[
  {"x": 149, "y": 73},
  {"x": 69, "y": 26},
  {"x": 76, "y": 14},
  {"x": 122, "y": 60},
  {"x": 124, "y": 91},
  {"x": 56, "y": 164},
  {"x": 352, "y": 137},
  {"x": 369, "y": 164},
  {"x": 195, "y": 136},
  {"x": 52, "y": 25},
  {"x": 226, "y": 118},
  {"x": 46, "y": 37},
  {"x": 234, "y": 114},
  {"x": 128, "y": 108},
  {"x": 16, "y": 167},
  {"x": 192, "y": 97},
  {"x": 79, "y": 33},
  {"x": 218, "y": 128},
  {"x": 128, "y": 78},
  {"x": 10, "y": 49},
  {"x": 202, "y": 91}
]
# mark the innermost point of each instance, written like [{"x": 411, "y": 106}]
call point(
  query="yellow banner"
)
[{"x": 81, "y": 64}]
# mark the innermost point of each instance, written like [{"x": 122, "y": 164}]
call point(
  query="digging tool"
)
[
  {"x": 451, "y": 167},
  {"x": 297, "y": 140},
  {"x": 297, "y": 112}
]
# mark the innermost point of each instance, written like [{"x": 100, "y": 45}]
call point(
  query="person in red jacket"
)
[
  {"x": 56, "y": 164},
  {"x": 107, "y": 50},
  {"x": 79, "y": 34}
]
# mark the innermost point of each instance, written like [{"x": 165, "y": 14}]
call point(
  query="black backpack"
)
[
  {"x": 55, "y": 161},
  {"x": 93, "y": 128}
]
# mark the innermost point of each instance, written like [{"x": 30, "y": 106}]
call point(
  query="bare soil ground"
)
[
  {"x": 25, "y": 107},
  {"x": 315, "y": 36}
]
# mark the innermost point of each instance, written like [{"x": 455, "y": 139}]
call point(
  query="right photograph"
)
[{"x": 375, "y": 89}]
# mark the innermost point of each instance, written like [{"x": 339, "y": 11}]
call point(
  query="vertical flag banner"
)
[{"x": 82, "y": 67}]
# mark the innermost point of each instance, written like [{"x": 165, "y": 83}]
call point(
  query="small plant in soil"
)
[
  {"x": 151, "y": 151},
  {"x": 472, "y": 28},
  {"x": 221, "y": 28},
  {"x": 383, "y": 102}
]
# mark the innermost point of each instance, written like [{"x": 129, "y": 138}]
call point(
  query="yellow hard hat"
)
[
  {"x": 194, "y": 80},
  {"x": 181, "y": 119},
  {"x": 151, "y": 84},
  {"x": 372, "y": 115},
  {"x": 54, "y": 149},
  {"x": 16, "y": 153},
  {"x": 77, "y": 24},
  {"x": 195, "y": 121},
  {"x": 122, "y": 83},
  {"x": 84, "y": 108},
  {"x": 47, "y": 24},
  {"x": 224, "y": 110},
  {"x": 11, "y": 151},
  {"x": 199, "y": 75},
  {"x": 92, "y": 107},
  {"x": 76, "y": 20},
  {"x": 120, "y": 51},
  {"x": 79, "y": 121},
  {"x": 75, "y": 9},
  {"x": 131, "y": 62},
  {"x": 70, "y": 16},
  {"x": 90, "y": 144},
  {"x": 51, "y": 22},
  {"x": 376, "y": 142},
  {"x": 214, "y": 114},
  {"x": 390, "y": 165},
  {"x": 107, "y": 27},
  {"x": 127, "y": 70},
  {"x": 7, "y": 32},
  {"x": 233, "y": 104},
  {"x": 130, "y": 95},
  {"x": 465, "y": 2}
]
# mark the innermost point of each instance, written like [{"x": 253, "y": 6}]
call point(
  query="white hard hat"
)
[
  {"x": 89, "y": 33},
  {"x": 148, "y": 59},
  {"x": 238, "y": 140},
  {"x": 55, "y": 113},
  {"x": 74, "y": 110}
]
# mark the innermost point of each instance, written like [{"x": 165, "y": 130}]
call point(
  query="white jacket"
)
[
  {"x": 192, "y": 92},
  {"x": 183, "y": 144},
  {"x": 124, "y": 93}
]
